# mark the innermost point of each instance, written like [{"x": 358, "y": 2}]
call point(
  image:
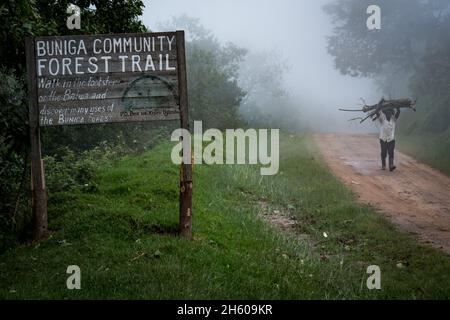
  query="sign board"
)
[{"x": 107, "y": 78}]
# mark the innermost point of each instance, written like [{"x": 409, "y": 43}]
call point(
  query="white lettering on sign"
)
[
  {"x": 374, "y": 280},
  {"x": 62, "y": 57},
  {"x": 118, "y": 78},
  {"x": 240, "y": 145},
  {"x": 374, "y": 20},
  {"x": 74, "y": 280},
  {"x": 74, "y": 20}
]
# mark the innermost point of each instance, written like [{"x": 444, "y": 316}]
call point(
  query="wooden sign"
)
[
  {"x": 98, "y": 79},
  {"x": 109, "y": 78}
]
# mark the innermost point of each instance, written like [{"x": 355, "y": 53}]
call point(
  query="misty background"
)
[
  {"x": 291, "y": 34},
  {"x": 285, "y": 64}
]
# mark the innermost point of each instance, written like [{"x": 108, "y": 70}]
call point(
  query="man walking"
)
[{"x": 387, "y": 119}]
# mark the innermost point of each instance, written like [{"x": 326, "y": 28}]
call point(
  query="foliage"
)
[
  {"x": 213, "y": 71},
  {"x": 122, "y": 235},
  {"x": 214, "y": 92},
  {"x": 410, "y": 55},
  {"x": 13, "y": 115},
  {"x": 13, "y": 158},
  {"x": 98, "y": 16},
  {"x": 267, "y": 103},
  {"x": 69, "y": 172},
  {"x": 231, "y": 87},
  {"x": 431, "y": 149},
  {"x": 22, "y": 19},
  {"x": 67, "y": 169},
  {"x": 406, "y": 27}
]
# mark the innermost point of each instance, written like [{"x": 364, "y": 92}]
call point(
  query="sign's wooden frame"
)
[{"x": 39, "y": 195}]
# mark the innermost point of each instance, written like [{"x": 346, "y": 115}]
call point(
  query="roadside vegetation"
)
[
  {"x": 431, "y": 149},
  {"x": 214, "y": 93},
  {"x": 113, "y": 191},
  {"x": 120, "y": 228},
  {"x": 408, "y": 58}
]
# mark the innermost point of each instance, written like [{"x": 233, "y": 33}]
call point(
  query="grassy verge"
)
[
  {"x": 121, "y": 234},
  {"x": 433, "y": 150}
]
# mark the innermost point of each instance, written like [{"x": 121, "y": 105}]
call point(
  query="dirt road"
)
[{"x": 415, "y": 197}]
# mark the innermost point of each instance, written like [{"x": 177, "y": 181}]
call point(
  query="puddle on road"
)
[{"x": 365, "y": 167}]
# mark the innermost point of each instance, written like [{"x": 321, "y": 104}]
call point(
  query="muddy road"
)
[{"x": 416, "y": 198}]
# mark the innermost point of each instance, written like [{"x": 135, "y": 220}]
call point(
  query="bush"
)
[
  {"x": 67, "y": 170},
  {"x": 14, "y": 173}
]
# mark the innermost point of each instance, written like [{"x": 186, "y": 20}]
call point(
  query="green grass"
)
[
  {"x": 433, "y": 150},
  {"x": 121, "y": 234}
]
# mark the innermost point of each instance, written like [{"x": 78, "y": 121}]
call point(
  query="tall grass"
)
[
  {"x": 122, "y": 234},
  {"x": 431, "y": 149}
]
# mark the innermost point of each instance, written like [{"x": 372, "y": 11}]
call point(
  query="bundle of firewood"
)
[{"x": 373, "y": 111}]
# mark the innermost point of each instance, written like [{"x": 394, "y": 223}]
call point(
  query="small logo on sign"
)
[
  {"x": 236, "y": 146},
  {"x": 374, "y": 20},
  {"x": 74, "y": 20},
  {"x": 74, "y": 280},
  {"x": 374, "y": 281}
]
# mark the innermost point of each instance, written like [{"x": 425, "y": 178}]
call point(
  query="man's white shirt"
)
[{"x": 387, "y": 130}]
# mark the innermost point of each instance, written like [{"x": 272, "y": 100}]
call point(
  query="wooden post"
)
[
  {"x": 185, "y": 227},
  {"x": 39, "y": 196}
]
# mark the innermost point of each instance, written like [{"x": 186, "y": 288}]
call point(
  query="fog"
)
[{"x": 292, "y": 30}]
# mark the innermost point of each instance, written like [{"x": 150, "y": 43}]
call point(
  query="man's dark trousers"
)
[{"x": 387, "y": 148}]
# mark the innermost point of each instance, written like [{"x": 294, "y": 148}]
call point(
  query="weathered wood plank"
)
[
  {"x": 116, "y": 86},
  {"x": 120, "y": 104},
  {"x": 185, "y": 226},
  {"x": 70, "y": 117},
  {"x": 79, "y": 55},
  {"x": 39, "y": 196},
  {"x": 106, "y": 79},
  {"x": 162, "y": 73},
  {"x": 103, "y": 78},
  {"x": 85, "y": 67},
  {"x": 83, "y": 46},
  {"x": 108, "y": 110}
]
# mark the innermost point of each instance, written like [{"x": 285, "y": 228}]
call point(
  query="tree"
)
[
  {"x": 213, "y": 71},
  {"x": 409, "y": 55},
  {"x": 405, "y": 33},
  {"x": 21, "y": 19}
]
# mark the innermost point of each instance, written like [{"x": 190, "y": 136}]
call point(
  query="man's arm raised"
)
[{"x": 397, "y": 114}]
